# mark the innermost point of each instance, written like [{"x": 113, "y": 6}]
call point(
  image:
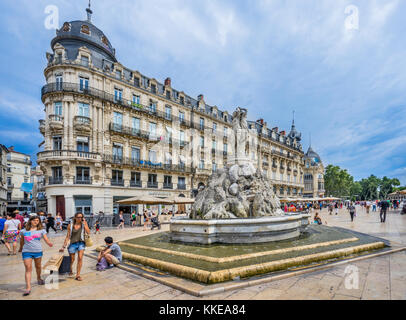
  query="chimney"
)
[
  {"x": 276, "y": 129},
  {"x": 200, "y": 97},
  {"x": 261, "y": 121},
  {"x": 168, "y": 82},
  {"x": 283, "y": 133},
  {"x": 11, "y": 148}
]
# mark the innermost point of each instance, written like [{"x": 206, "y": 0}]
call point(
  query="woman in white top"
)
[{"x": 11, "y": 231}]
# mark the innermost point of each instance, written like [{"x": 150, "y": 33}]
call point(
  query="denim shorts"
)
[
  {"x": 32, "y": 255},
  {"x": 76, "y": 247}
]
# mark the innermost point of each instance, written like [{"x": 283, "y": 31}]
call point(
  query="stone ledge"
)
[
  {"x": 200, "y": 290},
  {"x": 246, "y": 271}
]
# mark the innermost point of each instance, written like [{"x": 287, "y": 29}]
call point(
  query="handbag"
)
[{"x": 88, "y": 241}]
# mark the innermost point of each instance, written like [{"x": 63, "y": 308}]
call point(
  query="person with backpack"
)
[
  {"x": 11, "y": 231},
  {"x": 50, "y": 223},
  {"x": 30, "y": 246},
  {"x": 76, "y": 236}
]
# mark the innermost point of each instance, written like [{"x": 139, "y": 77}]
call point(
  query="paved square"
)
[{"x": 379, "y": 278}]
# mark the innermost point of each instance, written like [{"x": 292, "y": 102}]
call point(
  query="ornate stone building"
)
[
  {"x": 313, "y": 175},
  {"x": 111, "y": 133},
  {"x": 18, "y": 172},
  {"x": 3, "y": 179}
]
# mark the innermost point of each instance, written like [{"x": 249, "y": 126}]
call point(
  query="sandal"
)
[
  {"x": 71, "y": 274},
  {"x": 26, "y": 293},
  {"x": 79, "y": 278},
  {"x": 41, "y": 282}
]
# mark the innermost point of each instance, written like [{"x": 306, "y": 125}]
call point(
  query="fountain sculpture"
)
[{"x": 238, "y": 205}]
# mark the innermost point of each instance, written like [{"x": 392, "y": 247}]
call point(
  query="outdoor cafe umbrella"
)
[
  {"x": 181, "y": 200},
  {"x": 145, "y": 200}
]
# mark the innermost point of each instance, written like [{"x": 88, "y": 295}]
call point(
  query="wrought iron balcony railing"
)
[
  {"x": 144, "y": 164},
  {"x": 181, "y": 186},
  {"x": 153, "y": 185},
  {"x": 117, "y": 183},
  {"x": 87, "y": 180},
  {"x": 135, "y": 184},
  {"x": 55, "y": 180},
  {"x": 168, "y": 185}
]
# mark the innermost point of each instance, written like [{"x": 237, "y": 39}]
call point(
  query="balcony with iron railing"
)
[
  {"x": 181, "y": 186},
  {"x": 136, "y": 184},
  {"x": 84, "y": 180},
  {"x": 117, "y": 182},
  {"x": 100, "y": 94},
  {"x": 144, "y": 164},
  {"x": 134, "y": 132},
  {"x": 179, "y": 99},
  {"x": 152, "y": 184},
  {"x": 55, "y": 180},
  {"x": 168, "y": 186}
]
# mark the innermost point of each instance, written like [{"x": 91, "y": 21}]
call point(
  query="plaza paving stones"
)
[{"x": 381, "y": 277}]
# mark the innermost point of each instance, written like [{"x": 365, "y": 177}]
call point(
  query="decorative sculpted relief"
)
[{"x": 85, "y": 29}]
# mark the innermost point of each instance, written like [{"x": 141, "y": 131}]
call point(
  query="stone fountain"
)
[{"x": 238, "y": 205}]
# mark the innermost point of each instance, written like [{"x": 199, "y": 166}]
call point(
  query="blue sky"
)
[{"x": 348, "y": 87}]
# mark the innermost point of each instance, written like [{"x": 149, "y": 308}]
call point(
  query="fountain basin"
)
[{"x": 235, "y": 231}]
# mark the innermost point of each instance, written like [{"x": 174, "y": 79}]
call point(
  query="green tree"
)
[
  {"x": 337, "y": 181},
  {"x": 387, "y": 186},
  {"x": 355, "y": 191},
  {"x": 370, "y": 188}
]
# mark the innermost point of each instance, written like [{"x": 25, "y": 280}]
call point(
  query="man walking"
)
[
  {"x": 351, "y": 208},
  {"x": 384, "y": 208}
]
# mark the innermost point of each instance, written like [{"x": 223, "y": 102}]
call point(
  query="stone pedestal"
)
[{"x": 234, "y": 231}]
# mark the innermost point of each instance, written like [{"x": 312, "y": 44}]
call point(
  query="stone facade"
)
[
  {"x": 111, "y": 132},
  {"x": 38, "y": 189},
  {"x": 314, "y": 175},
  {"x": 3, "y": 179},
  {"x": 18, "y": 172}
]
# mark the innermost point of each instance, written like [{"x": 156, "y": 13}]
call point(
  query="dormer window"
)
[
  {"x": 168, "y": 95},
  {"x": 105, "y": 41},
  {"x": 182, "y": 100},
  {"x": 84, "y": 60},
  {"x": 118, "y": 74},
  {"x": 85, "y": 29},
  {"x": 66, "y": 27},
  {"x": 153, "y": 88},
  {"x": 137, "y": 82}
]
